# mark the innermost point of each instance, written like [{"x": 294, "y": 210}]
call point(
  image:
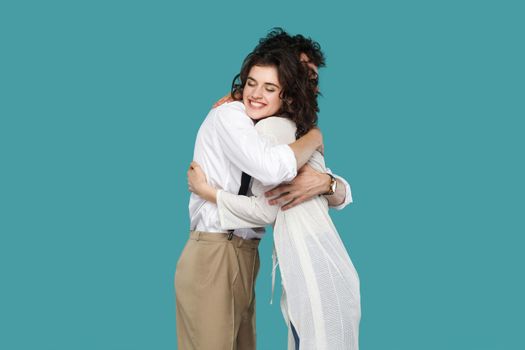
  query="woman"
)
[
  {"x": 321, "y": 299},
  {"x": 216, "y": 271}
]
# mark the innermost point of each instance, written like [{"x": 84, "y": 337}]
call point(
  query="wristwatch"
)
[{"x": 333, "y": 185}]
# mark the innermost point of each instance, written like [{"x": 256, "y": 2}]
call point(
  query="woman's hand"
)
[{"x": 197, "y": 183}]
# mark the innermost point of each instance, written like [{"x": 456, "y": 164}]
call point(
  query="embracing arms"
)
[
  {"x": 244, "y": 147},
  {"x": 307, "y": 184},
  {"x": 235, "y": 211}
]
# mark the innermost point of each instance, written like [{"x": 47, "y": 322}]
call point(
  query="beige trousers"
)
[{"x": 214, "y": 289}]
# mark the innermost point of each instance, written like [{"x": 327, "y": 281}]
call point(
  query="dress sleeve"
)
[
  {"x": 236, "y": 211},
  {"x": 244, "y": 147}
]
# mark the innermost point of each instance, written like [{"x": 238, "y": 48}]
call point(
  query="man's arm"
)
[
  {"x": 308, "y": 184},
  {"x": 343, "y": 194}
]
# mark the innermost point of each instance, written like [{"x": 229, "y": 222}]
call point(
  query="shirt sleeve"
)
[
  {"x": 348, "y": 191},
  {"x": 244, "y": 147},
  {"x": 237, "y": 211}
]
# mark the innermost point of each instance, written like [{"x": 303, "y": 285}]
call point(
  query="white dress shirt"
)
[
  {"x": 228, "y": 144},
  {"x": 348, "y": 191}
]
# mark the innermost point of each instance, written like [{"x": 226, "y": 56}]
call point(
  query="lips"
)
[{"x": 256, "y": 104}]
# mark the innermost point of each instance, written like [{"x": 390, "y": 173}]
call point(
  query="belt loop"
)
[{"x": 198, "y": 235}]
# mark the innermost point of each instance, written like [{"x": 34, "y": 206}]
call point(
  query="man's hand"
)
[
  {"x": 223, "y": 100},
  {"x": 307, "y": 184}
]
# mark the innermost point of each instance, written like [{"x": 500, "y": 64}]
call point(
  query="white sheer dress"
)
[{"x": 320, "y": 284}]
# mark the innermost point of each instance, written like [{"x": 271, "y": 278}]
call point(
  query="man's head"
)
[{"x": 306, "y": 49}]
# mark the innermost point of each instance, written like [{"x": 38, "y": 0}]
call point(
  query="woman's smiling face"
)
[{"x": 262, "y": 92}]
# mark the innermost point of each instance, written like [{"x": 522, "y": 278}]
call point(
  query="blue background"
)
[{"x": 422, "y": 112}]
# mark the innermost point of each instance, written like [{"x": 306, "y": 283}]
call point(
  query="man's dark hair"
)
[{"x": 278, "y": 38}]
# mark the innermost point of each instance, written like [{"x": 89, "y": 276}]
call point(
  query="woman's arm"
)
[
  {"x": 235, "y": 211},
  {"x": 304, "y": 147}
]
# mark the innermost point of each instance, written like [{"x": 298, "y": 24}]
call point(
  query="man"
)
[
  {"x": 308, "y": 183},
  {"x": 216, "y": 273}
]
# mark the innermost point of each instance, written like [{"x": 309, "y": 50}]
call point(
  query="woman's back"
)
[{"x": 321, "y": 287}]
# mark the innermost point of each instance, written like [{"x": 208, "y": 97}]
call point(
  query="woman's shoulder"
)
[{"x": 283, "y": 129}]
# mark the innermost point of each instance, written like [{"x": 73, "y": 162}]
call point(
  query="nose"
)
[{"x": 257, "y": 93}]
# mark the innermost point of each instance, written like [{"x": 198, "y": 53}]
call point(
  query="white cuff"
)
[{"x": 348, "y": 192}]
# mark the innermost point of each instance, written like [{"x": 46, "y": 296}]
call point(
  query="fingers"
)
[
  {"x": 223, "y": 100},
  {"x": 193, "y": 166},
  {"x": 188, "y": 174},
  {"x": 279, "y": 190},
  {"x": 283, "y": 199},
  {"x": 294, "y": 203},
  {"x": 219, "y": 102},
  {"x": 191, "y": 175}
]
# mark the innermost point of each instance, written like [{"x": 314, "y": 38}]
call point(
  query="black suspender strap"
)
[
  {"x": 245, "y": 182},
  {"x": 243, "y": 190}
]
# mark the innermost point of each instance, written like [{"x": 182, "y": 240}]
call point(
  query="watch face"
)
[
  {"x": 333, "y": 187},
  {"x": 333, "y": 184}
]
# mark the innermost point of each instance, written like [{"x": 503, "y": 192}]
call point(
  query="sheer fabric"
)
[{"x": 320, "y": 284}]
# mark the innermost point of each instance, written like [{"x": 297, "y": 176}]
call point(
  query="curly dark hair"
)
[
  {"x": 298, "y": 93},
  {"x": 278, "y": 38}
]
